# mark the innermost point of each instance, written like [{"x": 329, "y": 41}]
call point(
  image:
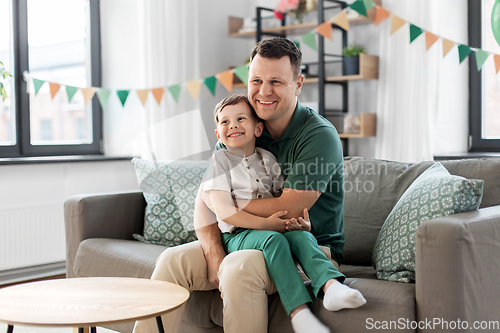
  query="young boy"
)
[{"x": 244, "y": 172}]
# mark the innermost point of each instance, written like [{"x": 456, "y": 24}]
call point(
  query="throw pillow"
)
[
  {"x": 435, "y": 193},
  {"x": 169, "y": 189}
]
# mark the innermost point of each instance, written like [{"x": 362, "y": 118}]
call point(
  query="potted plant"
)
[
  {"x": 3, "y": 75},
  {"x": 351, "y": 59}
]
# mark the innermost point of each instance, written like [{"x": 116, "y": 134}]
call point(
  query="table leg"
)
[
  {"x": 93, "y": 330},
  {"x": 10, "y": 329},
  {"x": 159, "y": 323}
]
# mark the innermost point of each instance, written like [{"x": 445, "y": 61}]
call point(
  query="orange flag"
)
[
  {"x": 226, "y": 78},
  {"x": 341, "y": 20},
  {"x": 143, "y": 95},
  {"x": 158, "y": 94},
  {"x": 447, "y": 46},
  {"x": 54, "y": 88},
  {"x": 194, "y": 88},
  {"x": 430, "y": 39},
  {"x": 380, "y": 15},
  {"x": 396, "y": 23},
  {"x": 496, "y": 58},
  {"x": 88, "y": 93},
  {"x": 325, "y": 30}
]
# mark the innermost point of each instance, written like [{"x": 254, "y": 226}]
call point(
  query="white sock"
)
[
  {"x": 339, "y": 296},
  {"x": 305, "y": 321}
]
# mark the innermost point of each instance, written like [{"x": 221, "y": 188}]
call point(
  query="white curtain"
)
[{"x": 422, "y": 102}]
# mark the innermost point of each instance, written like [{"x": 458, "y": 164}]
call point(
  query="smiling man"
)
[{"x": 309, "y": 152}]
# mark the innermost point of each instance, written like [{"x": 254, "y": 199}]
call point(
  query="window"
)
[
  {"x": 56, "y": 41},
  {"x": 484, "y": 86}
]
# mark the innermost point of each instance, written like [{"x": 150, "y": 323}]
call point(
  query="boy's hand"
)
[
  {"x": 300, "y": 224},
  {"x": 276, "y": 223}
]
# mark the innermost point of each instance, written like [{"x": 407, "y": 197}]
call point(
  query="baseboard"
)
[{"x": 24, "y": 274}]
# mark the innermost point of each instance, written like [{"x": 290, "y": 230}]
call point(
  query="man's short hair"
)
[
  {"x": 277, "y": 48},
  {"x": 233, "y": 100}
]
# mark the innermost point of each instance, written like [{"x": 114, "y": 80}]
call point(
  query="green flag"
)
[
  {"x": 359, "y": 6},
  {"x": 414, "y": 32},
  {"x": 310, "y": 39},
  {"x": 38, "y": 84},
  {"x": 481, "y": 57},
  {"x": 103, "y": 96},
  {"x": 211, "y": 83},
  {"x": 242, "y": 73},
  {"x": 175, "y": 90},
  {"x": 71, "y": 91},
  {"x": 123, "y": 95},
  {"x": 463, "y": 52},
  {"x": 369, "y": 4}
]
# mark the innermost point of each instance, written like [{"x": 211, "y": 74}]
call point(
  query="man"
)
[{"x": 309, "y": 151}]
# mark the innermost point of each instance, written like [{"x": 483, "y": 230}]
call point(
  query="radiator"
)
[{"x": 31, "y": 235}]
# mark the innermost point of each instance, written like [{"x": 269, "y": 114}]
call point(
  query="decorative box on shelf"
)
[{"x": 359, "y": 125}]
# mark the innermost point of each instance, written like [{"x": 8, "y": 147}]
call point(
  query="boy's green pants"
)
[{"x": 278, "y": 249}]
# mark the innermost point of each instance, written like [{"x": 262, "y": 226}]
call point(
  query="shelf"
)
[{"x": 367, "y": 127}]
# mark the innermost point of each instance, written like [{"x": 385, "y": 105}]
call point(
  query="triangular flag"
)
[
  {"x": 103, "y": 96},
  {"x": 87, "y": 93},
  {"x": 242, "y": 73},
  {"x": 194, "y": 88},
  {"x": 414, "y": 32},
  {"x": 463, "y": 52},
  {"x": 447, "y": 46},
  {"x": 54, "y": 88},
  {"x": 38, "y": 84},
  {"x": 158, "y": 94},
  {"x": 297, "y": 43},
  {"x": 143, "y": 95},
  {"x": 310, "y": 39},
  {"x": 496, "y": 58},
  {"x": 396, "y": 23},
  {"x": 359, "y": 6},
  {"x": 226, "y": 78},
  {"x": 123, "y": 95},
  {"x": 175, "y": 91},
  {"x": 341, "y": 20},
  {"x": 211, "y": 83},
  {"x": 430, "y": 39},
  {"x": 369, "y": 4},
  {"x": 71, "y": 91},
  {"x": 481, "y": 57},
  {"x": 380, "y": 15},
  {"x": 325, "y": 30}
]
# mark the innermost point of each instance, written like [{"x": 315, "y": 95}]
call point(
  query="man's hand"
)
[
  {"x": 214, "y": 259},
  {"x": 300, "y": 224}
]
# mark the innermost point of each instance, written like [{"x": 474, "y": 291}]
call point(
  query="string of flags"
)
[{"x": 226, "y": 78}]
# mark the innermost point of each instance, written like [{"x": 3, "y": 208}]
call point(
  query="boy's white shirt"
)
[{"x": 251, "y": 177}]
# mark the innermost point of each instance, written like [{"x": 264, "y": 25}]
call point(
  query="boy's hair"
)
[
  {"x": 233, "y": 100},
  {"x": 277, "y": 48}
]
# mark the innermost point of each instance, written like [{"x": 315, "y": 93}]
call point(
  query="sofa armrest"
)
[
  {"x": 101, "y": 215},
  {"x": 457, "y": 268}
]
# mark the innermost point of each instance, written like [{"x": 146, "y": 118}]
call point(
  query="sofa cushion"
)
[
  {"x": 116, "y": 257},
  {"x": 169, "y": 188},
  {"x": 435, "y": 193}
]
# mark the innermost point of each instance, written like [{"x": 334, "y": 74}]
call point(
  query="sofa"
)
[{"x": 457, "y": 257}]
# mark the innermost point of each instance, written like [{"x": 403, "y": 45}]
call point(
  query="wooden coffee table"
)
[{"x": 88, "y": 302}]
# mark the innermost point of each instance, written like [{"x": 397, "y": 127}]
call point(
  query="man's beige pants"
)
[{"x": 244, "y": 286}]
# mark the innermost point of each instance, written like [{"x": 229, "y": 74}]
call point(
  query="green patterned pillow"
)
[
  {"x": 170, "y": 190},
  {"x": 435, "y": 193}
]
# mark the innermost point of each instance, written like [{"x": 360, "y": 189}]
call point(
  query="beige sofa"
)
[{"x": 457, "y": 257}]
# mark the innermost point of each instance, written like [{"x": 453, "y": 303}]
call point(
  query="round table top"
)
[{"x": 88, "y": 302}]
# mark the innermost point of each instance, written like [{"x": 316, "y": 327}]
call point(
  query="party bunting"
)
[
  {"x": 103, "y": 96},
  {"x": 396, "y": 23},
  {"x": 143, "y": 95},
  {"x": 175, "y": 91},
  {"x": 158, "y": 94},
  {"x": 369, "y": 4},
  {"x": 447, "y": 46},
  {"x": 381, "y": 15},
  {"x": 54, "y": 88},
  {"x": 38, "y": 84},
  {"x": 211, "y": 83},
  {"x": 71, "y": 91},
  {"x": 123, "y": 95},
  {"x": 87, "y": 93},
  {"x": 496, "y": 58},
  {"x": 359, "y": 6},
  {"x": 242, "y": 73},
  {"x": 325, "y": 30},
  {"x": 414, "y": 32},
  {"x": 194, "y": 88},
  {"x": 430, "y": 39},
  {"x": 310, "y": 40},
  {"x": 463, "y": 52},
  {"x": 226, "y": 78},
  {"x": 481, "y": 57},
  {"x": 341, "y": 20}
]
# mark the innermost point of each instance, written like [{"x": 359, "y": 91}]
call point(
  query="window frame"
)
[
  {"x": 477, "y": 143},
  {"x": 23, "y": 146}
]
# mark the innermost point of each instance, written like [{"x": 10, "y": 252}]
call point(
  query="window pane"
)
[
  {"x": 59, "y": 53},
  {"x": 490, "y": 80},
  {"x": 7, "y": 107}
]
